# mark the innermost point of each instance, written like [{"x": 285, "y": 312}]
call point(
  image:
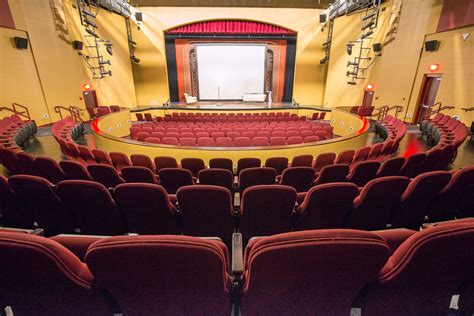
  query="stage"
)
[{"x": 231, "y": 105}]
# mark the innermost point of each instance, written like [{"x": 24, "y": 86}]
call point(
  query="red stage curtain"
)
[{"x": 231, "y": 27}]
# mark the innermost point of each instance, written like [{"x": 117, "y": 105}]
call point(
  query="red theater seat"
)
[
  {"x": 74, "y": 170},
  {"x": 256, "y": 176},
  {"x": 102, "y": 157},
  {"x": 302, "y": 161},
  {"x": 193, "y": 164},
  {"x": 218, "y": 177},
  {"x": 299, "y": 178},
  {"x": 323, "y": 160},
  {"x": 159, "y": 271},
  {"x": 174, "y": 178},
  {"x": 44, "y": 278},
  {"x": 39, "y": 195},
  {"x": 266, "y": 210},
  {"x": 411, "y": 165},
  {"x": 120, "y": 160},
  {"x": 147, "y": 208},
  {"x": 332, "y": 173},
  {"x": 423, "y": 273},
  {"x": 165, "y": 162},
  {"x": 93, "y": 207},
  {"x": 105, "y": 174},
  {"x": 363, "y": 172},
  {"x": 49, "y": 169},
  {"x": 390, "y": 167},
  {"x": 414, "y": 202},
  {"x": 201, "y": 218},
  {"x": 277, "y": 163},
  {"x": 374, "y": 206},
  {"x": 326, "y": 206},
  {"x": 140, "y": 160},
  {"x": 139, "y": 175},
  {"x": 222, "y": 163},
  {"x": 13, "y": 209},
  {"x": 319, "y": 272},
  {"x": 244, "y": 163}
]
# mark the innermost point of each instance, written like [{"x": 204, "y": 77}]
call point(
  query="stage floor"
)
[{"x": 229, "y": 105}]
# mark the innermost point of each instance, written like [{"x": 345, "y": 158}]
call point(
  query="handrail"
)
[
  {"x": 25, "y": 110},
  {"x": 383, "y": 111},
  {"x": 25, "y": 113},
  {"x": 438, "y": 110},
  {"x": 468, "y": 109},
  {"x": 74, "y": 111}
]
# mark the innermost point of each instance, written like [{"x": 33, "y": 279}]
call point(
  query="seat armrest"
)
[
  {"x": 237, "y": 255},
  {"x": 77, "y": 244},
  {"x": 395, "y": 237}
]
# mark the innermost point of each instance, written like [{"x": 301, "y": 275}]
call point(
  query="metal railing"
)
[
  {"x": 73, "y": 111},
  {"x": 383, "y": 111},
  {"x": 18, "y": 109}
]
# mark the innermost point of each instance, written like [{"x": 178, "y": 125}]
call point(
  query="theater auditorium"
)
[{"x": 237, "y": 157}]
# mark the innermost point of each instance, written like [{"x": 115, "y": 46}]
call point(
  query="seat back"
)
[
  {"x": 256, "y": 176},
  {"x": 174, "y": 178},
  {"x": 299, "y": 178},
  {"x": 446, "y": 203},
  {"x": 302, "y": 161},
  {"x": 49, "y": 169},
  {"x": 138, "y": 175},
  {"x": 244, "y": 163},
  {"x": 120, "y": 160},
  {"x": 203, "y": 218},
  {"x": 94, "y": 209},
  {"x": 41, "y": 277},
  {"x": 161, "y": 264},
  {"x": 424, "y": 272},
  {"x": 414, "y": 202},
  {"x": 222, "y": 163},
  {"x": 193, "y": 164},
  {"x": 363, "y": 172},
  {"x": 345, "y": 156},
  {"x": 266, "y": 210},
  {"x": 74, "y": 170},
  {"x": 165, "y": 162},
  {"x": 102, "y": 157},
  {"x": 375, "y": 203},
  {"x": 26, "y": 163},
  {"x": 217, "y": 177},
  {"x": 105, "y": 174},
  {"x": 323, "y": 160},
  {"x": 323, "y": 270},
  {"x": 391, "y": 167},
  {"x": 40, "y": 196},
  {"x": 14, "y": 211},
  {"x": 326, "y": 206},
  {"x": 147, "y": 208},
  {"x": 361, "y": 154},
  {"x": 411, "y": 165},
  {"x": 333, "y": 173},
  {"x": 142, "y": 161},
  {"x": 277, "y": 163}
]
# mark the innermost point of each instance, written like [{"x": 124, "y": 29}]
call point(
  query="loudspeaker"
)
[
  {"x": 431, "y": 46},
  {"x": 77, "y": 45},
  {"x": 377, "y": 47},
  {"x": 322, "y": 18},
  {"x": 138, "y": 16},
  {"x": 21, "y": 43}
]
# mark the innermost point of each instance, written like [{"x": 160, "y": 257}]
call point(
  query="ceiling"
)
[{"x": 314, "y": 4}]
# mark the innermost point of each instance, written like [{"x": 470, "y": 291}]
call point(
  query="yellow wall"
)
[
  {"x": 150, "y": 75},
  {"x": 51, "y": 26},
  {"x": 19, "y": 80},
  {"x": 456, "y": 59},
  {"x": 394, "y": 71}
]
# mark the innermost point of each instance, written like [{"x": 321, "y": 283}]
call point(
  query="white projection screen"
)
[{"x": 227, "y": 71}]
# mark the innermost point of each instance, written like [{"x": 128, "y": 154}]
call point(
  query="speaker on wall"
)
[
  {"x": 21, "y": 43},
  {"x": 322, "y": 18},
  {"x": 431, "y": 46},
  {"x": 77, "y": 45},
  {"x": 377, "y": 47},
  {"x": 138, "y": 16}
]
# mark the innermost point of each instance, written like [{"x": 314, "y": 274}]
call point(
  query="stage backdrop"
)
[{"x": 240, "y": 71}]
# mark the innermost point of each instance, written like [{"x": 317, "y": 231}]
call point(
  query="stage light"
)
[
  {"x": 370, "y": 87},
  {"x": 434, "y": 67},
  {"x": 86, "y": 86}
]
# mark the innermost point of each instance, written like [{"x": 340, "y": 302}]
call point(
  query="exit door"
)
[{"x": 427, "y": 97}]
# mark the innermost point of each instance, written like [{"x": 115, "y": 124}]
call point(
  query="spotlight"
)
[{"x": 370, "y": 87}]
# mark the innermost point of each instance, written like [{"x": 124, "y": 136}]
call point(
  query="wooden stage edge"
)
[{"x": 231, "y": 106}]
